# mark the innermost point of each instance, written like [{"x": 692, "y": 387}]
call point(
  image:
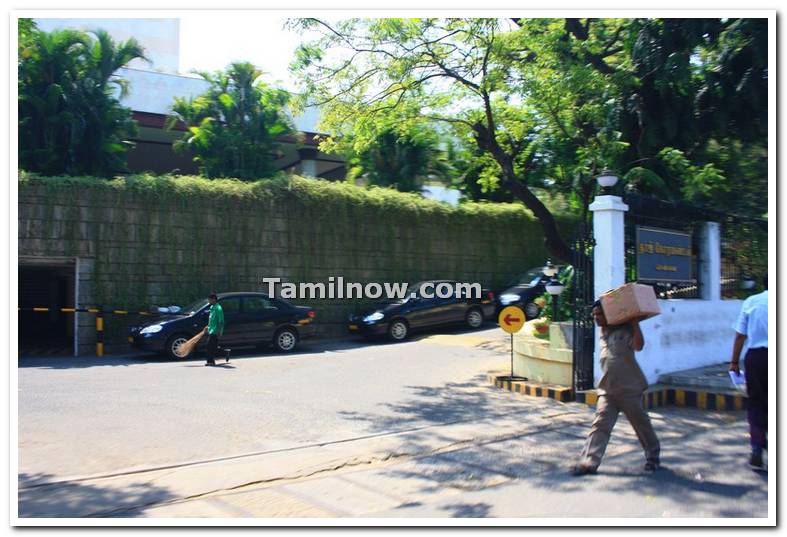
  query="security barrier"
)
[{"x": 98, "y": 312}]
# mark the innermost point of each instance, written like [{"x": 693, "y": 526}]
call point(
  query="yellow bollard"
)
[{"x": 99, "y": 333}]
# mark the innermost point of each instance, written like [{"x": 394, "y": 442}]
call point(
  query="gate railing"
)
[{"x": 582, "y": 299}]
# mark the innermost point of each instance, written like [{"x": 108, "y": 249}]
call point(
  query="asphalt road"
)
[
  {"x": 92, "y": 416},
  {"x": 349, "y": 429}
]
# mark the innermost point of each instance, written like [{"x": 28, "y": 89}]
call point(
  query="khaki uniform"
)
[{"x": 620, "y": 389}]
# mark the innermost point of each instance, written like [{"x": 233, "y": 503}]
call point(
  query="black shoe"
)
[
  {"x": 652, "y": 465},
  {"x": 582, "y": 469},
  {"x": 211, "y": 362},
  {"x": 755, "y": 461}
]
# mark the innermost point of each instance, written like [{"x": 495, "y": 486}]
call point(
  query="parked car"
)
[
  {"x": 524, "y": 289},
  {"x": 250, "y": 320},
  {"x": 398, "y": 318}
]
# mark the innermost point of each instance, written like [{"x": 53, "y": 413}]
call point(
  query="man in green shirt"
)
[{"x": 215, "y": 328}]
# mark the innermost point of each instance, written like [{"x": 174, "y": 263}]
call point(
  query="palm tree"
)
[
  {"x": 234, "y": 126},
  {"x": 70, "y": 117}
]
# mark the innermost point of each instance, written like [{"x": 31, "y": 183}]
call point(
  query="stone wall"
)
[{"x": 163, "y": 240}]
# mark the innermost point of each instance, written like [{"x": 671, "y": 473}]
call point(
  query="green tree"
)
[
  {"x": 404, "y": 161},
  {"x": 547, "y": 102},
  {"x": 461, "y": 72},
  {"x": 70, "y": 117},
  {"x": 233, "y": 128}
]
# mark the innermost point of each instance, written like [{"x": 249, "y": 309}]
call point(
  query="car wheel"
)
[
  {"x": 173, "y": 343},
  {"x": 532, "y": 311},
  {"x": 474, "y": 318},
  {"x": 398, "y": 330},
  {"x": 285, "y": 340}
]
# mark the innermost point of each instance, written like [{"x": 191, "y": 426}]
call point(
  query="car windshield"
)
[
  {"x": 195, "y": 306},
  {"x": 531, "y": 278}
]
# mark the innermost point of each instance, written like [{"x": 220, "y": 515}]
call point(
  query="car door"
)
[
  {"x": 233, "y": 328},
  {"x": 261, "y": 316},
  {"x": 453, "y": 308}
]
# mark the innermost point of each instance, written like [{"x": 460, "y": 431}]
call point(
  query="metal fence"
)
[{"x": 744, "y": 245}]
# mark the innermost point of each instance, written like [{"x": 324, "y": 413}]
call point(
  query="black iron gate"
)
[{"x": 582, "y": 301}]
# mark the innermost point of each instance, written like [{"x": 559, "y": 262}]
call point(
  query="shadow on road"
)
[
  {"x": 702, "y": 453},
  {"x": 83, "y": 500},
  {"x": 137, "y": 358}
]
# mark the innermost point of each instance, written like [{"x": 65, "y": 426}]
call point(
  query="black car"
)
[
  {"x": 250, "y": 319},
  {"x": 523, "y": 290},
  {"x": 397, "y": 318}
]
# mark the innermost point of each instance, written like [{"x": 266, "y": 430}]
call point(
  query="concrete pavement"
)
[{"x": 407, "y": 430}]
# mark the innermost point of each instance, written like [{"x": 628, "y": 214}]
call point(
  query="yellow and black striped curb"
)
[
  {"x": 654, "y": 397},
  {"x": 535, "y": 389},
  {"x": 681, "y": 397}
]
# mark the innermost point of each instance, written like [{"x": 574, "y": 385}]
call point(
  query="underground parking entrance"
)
[{"x": 47, "y": 283}]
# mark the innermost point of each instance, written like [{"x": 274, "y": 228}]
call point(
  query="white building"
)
[{"x": 153, "y": 85}]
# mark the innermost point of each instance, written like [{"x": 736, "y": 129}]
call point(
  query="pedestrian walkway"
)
[{"x": 510, "y": 465}]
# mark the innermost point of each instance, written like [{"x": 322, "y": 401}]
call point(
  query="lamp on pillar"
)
[
  {"x": 549, "y": 269},
  {"x": 607, "y": 180},
  {"x": 554, "y": 288}
]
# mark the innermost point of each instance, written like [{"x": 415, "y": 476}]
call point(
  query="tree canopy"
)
[
  {"x": 70, "y": 117},
  {"x": 550, "y": 103},
  {"x": 233, "y": 127}
]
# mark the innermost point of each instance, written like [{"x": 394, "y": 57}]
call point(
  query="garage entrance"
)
[{"x": 49, "y": 283}]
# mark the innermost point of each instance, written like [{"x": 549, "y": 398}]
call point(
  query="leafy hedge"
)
[
  {"x": 308, "y": 191},
  {"x": 303, "y": 229}
]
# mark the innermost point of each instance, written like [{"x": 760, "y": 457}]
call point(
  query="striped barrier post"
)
[
  {"x": 100, "y": 333},
  {"x": 99, "y": 313}
]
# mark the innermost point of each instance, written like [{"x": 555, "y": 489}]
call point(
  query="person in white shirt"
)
[{"x": 752, "y": 325}]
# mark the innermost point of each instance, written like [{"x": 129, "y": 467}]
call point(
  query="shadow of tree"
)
[
  {"x": 468, "y": 510},
  {"x": 452, "y": 402},
  {"x": 82, "y": 499},
  {"x": 544, "y": 460}
]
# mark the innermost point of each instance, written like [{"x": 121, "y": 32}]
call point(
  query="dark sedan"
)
[
  {"x": 523, "y": 290},
  {"x": 397, "y": 318},
  {"x": 250, "y": 320}
]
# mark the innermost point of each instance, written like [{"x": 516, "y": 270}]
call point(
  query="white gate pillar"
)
[
  {"x": 710, "y": 261},
  {"x": 609, "y": 254}
]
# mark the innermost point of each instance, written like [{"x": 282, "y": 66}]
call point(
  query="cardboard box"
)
[{"x": 629, "y": 301}]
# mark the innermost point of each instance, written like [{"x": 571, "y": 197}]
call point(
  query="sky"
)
[{"x": 210, "y": 41}]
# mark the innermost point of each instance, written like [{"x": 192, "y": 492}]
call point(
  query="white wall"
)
[
  {"x": 687, "y": 334},
  {"x": 159, "y": 37},
  {"x": 154, "y": 92}
]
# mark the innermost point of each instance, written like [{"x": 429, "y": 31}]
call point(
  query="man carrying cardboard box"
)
[{"x": 620, "y": 389}]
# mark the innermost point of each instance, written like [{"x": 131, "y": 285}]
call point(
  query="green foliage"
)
[
  {"x": 233, "y": 128},
  {"x": 185, "y": 235},
  {"x": 404, "y": 161},
  {"x": 70, "y": 117},
  {"x": 549, "y": 103}
]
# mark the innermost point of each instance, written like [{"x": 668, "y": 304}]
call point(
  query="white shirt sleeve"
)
[{"x": 741, "y": 325}]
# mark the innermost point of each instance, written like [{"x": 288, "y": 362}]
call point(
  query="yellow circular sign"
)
[{"x": 511, "y": 319}]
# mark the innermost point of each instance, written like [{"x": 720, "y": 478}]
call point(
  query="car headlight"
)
[
  {"x": 152, "y": 329},
  {"x": 376, "y": 316},
  {"x": 508, "y": 298}
]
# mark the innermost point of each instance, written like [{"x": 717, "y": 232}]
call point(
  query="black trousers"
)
[
  {"x": 756, "y": 363},
  {"x": 213, "y": 347}
]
